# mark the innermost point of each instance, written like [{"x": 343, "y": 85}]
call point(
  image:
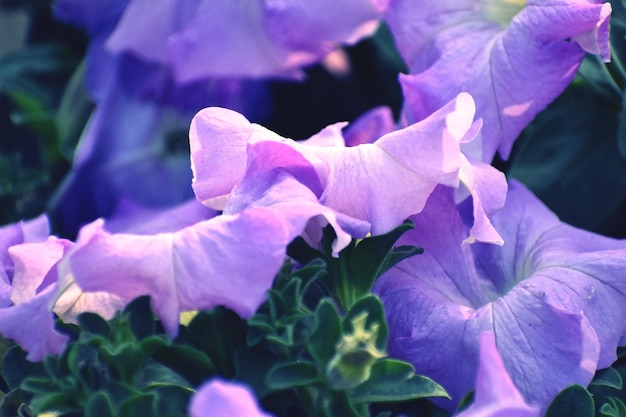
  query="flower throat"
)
[{"x": 502, "y": 11}]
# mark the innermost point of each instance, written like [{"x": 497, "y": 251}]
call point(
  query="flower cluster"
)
[{"x": 504, "y": 299}]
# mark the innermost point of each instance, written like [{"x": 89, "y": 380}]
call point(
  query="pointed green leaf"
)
[
  {"x": 99, "y": 405},
  {"x": 613, "y": 407},
  {"x": 372, "y": 257},
  {"x": 172, "y": 400},
  {"x": 323, "y": 340},
  {"x": 294, "y": 374},
  {"x": 399, "y": 254},
  {"x": 339, "y": 406},
  {"x": 218, "y": 333},
  {"x": 140, "y": 317},
  {"x": 608, "y": 377},
  {"x": 385, "y": 371},
  {"x": 15, "y": 367},
  {"x": 191, "y": 364},
  {"x": 573, "y": 401},
  {"x": 93, "y": 323},
  {"x": 55, "y": 401},
  {"x": 413, "y": 388}
]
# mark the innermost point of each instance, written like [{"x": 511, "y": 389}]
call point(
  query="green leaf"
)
[
  {"x": 573, "y": 401},
  {"x": 39, "y": 385},
  {"x": 253, "y": 365},
  {"x": 218, "y": 333},
  {"x": 140, "y": 317},
  {"x": 339, "y": 405},
  {"x": 187, "y": 362},
  {"x": 93, "y": 323},
  {"x": 99, "y": 405},
  {"x": 327, "y": 332},
  {"x": 15, "y": 367},
  {"x": 172, "y": 400},
  {"x": 413, "y": 388},
  {"x": 608, "y": 377},
  {"x": 289, "y": 375},
  {"x": 613, "y": 407},
  {"x": 55, "y": 401},
  {"x": 10, "y": 403},
  {"x": 141, "y": 405},
  {"x": 399, "y": 254},
  {"x": 371, "y": 257},
  {"x": 124, "y": 362},
  {"x": 385, "y": 371}
]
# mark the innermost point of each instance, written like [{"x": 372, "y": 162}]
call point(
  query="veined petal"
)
[
  {"x": 496, "y": 395},
  {"x": 200, "y": 266},
  {"x": 548, "y": 279},
  {"x": 382, "y": 182},
  {"x": 513, "y": 70},
  {"x": 29, "y": 321}
]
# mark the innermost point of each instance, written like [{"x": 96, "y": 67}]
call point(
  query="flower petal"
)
[{"x": 221, "y": 398}]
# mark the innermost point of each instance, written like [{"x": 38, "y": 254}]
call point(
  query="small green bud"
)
[{"x": 355, "y": 355}]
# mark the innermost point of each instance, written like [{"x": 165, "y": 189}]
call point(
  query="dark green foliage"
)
[
  {"x": 325, "y": 362},
  {"x": 118, "y": 368},
  {"x": 352, "y": 275},
  {"x": 574, "y": 401}
]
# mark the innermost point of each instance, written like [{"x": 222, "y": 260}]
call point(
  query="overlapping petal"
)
[
  {"x": 553, "y": 296},
  {"x": 496, "y": 395},
  {"x": 28, "y": 320},
  {"x": 513, "y": 65},
  {"x": 266, "y": 38},
  {"x": 382, "y": 182},
  {"x": 31, "y": 231},
  {"x": 205, "y": 264}
]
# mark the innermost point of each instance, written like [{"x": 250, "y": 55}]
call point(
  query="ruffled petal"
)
[
  {"x": 382, "y": 182},
  {"x": 512, "y": 71},
  {"x": 553, "y": 295},
  {"x": 496, "y": 395},
  {"x": 203, "y": 265}
]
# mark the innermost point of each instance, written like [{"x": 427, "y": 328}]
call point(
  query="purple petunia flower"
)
[
  {"x": 149, "y": 69},
  {"x": 221, "y": 398},
  {"x": 256, "y": 38},
  {"x": 553, "y": 295},
  {"x": 513, "y": 56},
  {"x": 496, "y": 395},
  {"x": 382, "y": 182},
  {"x": 27, "y": 255},
  {"x": 206, "y": 263}
]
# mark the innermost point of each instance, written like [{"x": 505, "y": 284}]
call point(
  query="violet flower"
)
[
  {"x": 221, "y": 398},
  {"x": 149, "y": 69},
  {"x": 204, "y": 264},
  {"x": 513, "y": 56},
  {"x": 241, "y": 38},
  {"x": 27, "y": 255},
  {"x": 496, "y": 395},
  {"x": 129, "y": 218},
  {"x": 553, "y": 295},
  {"x": 382, "y": 183},
  {"x": 133, "y": 150}
]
